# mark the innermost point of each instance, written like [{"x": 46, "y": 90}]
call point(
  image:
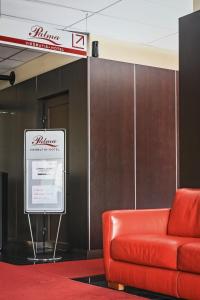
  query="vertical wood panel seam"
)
[
  {"x": 88, "y": 134},
  {"x": 176, "y": 128},
  {"x": 134, "y": 133}
]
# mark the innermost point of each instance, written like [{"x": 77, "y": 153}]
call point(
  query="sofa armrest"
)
[{"x": 122, "y": 222}]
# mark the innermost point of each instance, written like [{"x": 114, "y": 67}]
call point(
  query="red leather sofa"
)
[{"x": 155, "y": 249}]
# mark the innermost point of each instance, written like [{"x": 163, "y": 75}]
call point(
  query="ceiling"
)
[
  {"x": 149, "y": 22},
  {"x": 12, "y": 57}
]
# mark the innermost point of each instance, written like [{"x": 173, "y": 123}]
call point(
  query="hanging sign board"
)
[
  {"x": 44, "y": 164},
  {"x": 42, "y": 37}
]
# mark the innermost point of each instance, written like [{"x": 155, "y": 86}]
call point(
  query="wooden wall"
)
[
  {"x": 20, "y": 106},
  {"x": 126, "y": 114},
  {"x": 23, "y": 104},
  {"x": 112, "y": 140},
  {"x": 155, "y": 137},
  {"x": 133, "y": 132}
]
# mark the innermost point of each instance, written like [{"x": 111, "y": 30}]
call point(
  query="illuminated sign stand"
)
[{"x": 45, "y": 180}]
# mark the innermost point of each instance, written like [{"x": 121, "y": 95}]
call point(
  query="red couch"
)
[{"x": 157, "y": 249}]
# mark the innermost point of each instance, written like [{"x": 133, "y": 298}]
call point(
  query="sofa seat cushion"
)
[
  {"x": 189, "y": 257},
  {"x": 148, "y": 250}
]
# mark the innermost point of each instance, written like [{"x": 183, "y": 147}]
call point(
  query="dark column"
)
[{"x": 189, "y": 125}]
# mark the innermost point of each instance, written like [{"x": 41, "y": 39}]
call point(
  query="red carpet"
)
[
  {"x": 71, "y": 269},
  {"x": 49, "y": 282}
]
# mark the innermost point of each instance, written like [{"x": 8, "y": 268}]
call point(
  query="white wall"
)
[
  {"x": 136, "y": 53},
  {"x": 196, "y": 5},
  {"x": 38, "y": 66}
]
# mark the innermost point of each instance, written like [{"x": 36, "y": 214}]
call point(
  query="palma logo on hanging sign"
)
[
  {"x": 39, "y": 140},
  {"x": 38, "y": 32}
]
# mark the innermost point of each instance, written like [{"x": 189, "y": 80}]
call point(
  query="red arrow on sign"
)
[
  {"x": 81, "y": 39},
  {"x": 78, "y": 40}
]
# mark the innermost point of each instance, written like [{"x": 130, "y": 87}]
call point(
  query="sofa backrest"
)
[{"x": 184, "y": 218}]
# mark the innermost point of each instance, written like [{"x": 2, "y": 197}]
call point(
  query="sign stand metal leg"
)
[
  {"x": 58, "y": 230},
  {"x": 49, "y": 259},
  {"x": 44, "y": 230},
  {"x": 33, "y": 244}
]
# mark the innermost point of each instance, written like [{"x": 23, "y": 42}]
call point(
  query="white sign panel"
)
[
  {"x": 42, "y": 37},
  {"x": 44, "y": 179}
]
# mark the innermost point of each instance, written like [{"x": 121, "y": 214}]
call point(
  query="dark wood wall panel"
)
[
  {"x": 21, "y": 107},
  {"x": 8, "y": 157},
  {"x": 74, "y": 78},
  {"x": 110, "y": 91},
  {"x": 24, "y": 100},
  {"x": 112, "y": 141},
  {"x": 189, "y": 60},
  {"x": 49, "y": 83},
  {"x": 27, "y": 118},
  {"x": 155, "y": 137}
]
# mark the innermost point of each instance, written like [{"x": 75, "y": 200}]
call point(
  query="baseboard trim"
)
[{"x": 94, "y": 253}]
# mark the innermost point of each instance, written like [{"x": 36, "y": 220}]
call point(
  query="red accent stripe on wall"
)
[{"x": 39, "y": 45}]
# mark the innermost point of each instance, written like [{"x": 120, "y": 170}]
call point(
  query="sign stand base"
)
[
  {"x": 43, "y": 259},
  {"x": 48, "y": 259}
]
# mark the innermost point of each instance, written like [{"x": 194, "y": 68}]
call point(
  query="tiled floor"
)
[
  {"x": 17, "y": 255},
  {"x": 100, "y": 281}
]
